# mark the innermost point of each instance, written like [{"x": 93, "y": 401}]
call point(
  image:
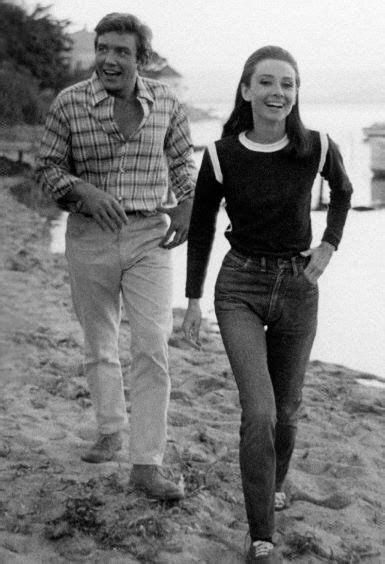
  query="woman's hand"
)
[
  {"x": 191, "y": 323},
  {"x": 319, "y": 259}
]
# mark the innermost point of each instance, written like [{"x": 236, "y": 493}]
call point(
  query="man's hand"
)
[
  {"x": 319, "y": 259},
  {"x": 180, "y": 221},
  {"x": 103, "y": 207}
]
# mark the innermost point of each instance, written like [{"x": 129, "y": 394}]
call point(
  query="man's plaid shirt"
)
[{"x": 82, "y": 141}]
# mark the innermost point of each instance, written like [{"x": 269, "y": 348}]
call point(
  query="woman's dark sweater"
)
[{"x": 268, "y": 201}]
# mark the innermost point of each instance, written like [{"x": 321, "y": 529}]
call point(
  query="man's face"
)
[{"x": 116, "y": 63}]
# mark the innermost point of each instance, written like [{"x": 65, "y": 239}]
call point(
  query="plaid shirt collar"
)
[{"x": 99, "y": 93}]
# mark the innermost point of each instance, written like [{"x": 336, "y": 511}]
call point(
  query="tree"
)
[
  {"x": 20, "y": 101},
  {"x": 35, "y": 43}
]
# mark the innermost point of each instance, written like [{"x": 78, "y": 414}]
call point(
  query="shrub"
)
[{"x": 20, "y": 101}]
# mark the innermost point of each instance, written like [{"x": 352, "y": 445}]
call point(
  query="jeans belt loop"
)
[{"x": 263, "y": 264}]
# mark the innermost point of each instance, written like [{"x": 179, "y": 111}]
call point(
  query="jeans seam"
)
[{"x": 274, "y": 295}]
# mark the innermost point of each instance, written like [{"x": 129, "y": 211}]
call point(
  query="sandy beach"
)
[{"x": 54, "y": 508}]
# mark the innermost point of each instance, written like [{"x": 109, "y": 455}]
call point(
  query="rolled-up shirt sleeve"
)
[
  {"x": 53, "y": 167},
  {"x": 179, "y": 152}
]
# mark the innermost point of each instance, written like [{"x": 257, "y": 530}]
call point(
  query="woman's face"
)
[{"x": 272, "y": 91}]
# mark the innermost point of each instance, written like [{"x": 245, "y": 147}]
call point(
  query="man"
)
[{"x": 112, "y": 145}]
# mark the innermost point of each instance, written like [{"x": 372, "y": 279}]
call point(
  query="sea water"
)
[{"x": 351, "y": 328}]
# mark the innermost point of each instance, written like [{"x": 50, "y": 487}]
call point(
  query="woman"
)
[{"x": 266, "y": 294}]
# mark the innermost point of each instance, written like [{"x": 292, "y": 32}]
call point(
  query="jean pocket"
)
[
  {"x": 309, "y": 282},
  {"x": 79, "y": 226},
  {"x": 234, "y": 260}
]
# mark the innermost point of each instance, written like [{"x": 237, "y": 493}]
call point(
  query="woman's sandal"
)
[{"x": 280, "y": 501}]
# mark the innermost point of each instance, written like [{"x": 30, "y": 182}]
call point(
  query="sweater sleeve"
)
[
  {"x": 340, "y": 195},
  {"x": 208, "y": 195}
]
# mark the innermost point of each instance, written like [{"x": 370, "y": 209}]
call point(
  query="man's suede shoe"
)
[
  {"x": 149, "y": 479},
  {"x": 104, "y": 449},
  {"x": 262, "y": 552}
]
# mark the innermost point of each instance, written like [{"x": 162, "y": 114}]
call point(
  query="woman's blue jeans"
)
[{"x": 267, "y": 315}]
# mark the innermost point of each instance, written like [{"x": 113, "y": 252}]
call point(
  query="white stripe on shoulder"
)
[
  {"x": 324, "y": 150},
  {"x": 215, "y": 162}
]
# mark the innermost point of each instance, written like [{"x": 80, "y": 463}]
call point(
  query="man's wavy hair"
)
[
  {"x": 241, "y": 118},
  {"x": 127, "y": 23}
]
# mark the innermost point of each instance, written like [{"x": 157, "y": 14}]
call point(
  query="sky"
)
[{"x": 339, "y": 44}]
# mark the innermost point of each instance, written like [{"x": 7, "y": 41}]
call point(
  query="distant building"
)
[
  {"x": 378, "y": 192},
  {"x": 83, "y": 52},
  {"x": 375, "y": 136},
  {"x": 82, "y": 59}
]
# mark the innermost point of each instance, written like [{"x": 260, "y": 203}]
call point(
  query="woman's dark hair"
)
[
  {"x": 241, "y": 118},
  {"x": 127, "y": 23}
]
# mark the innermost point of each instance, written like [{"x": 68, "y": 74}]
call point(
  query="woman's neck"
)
[{"x": 266, "y": 134}]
